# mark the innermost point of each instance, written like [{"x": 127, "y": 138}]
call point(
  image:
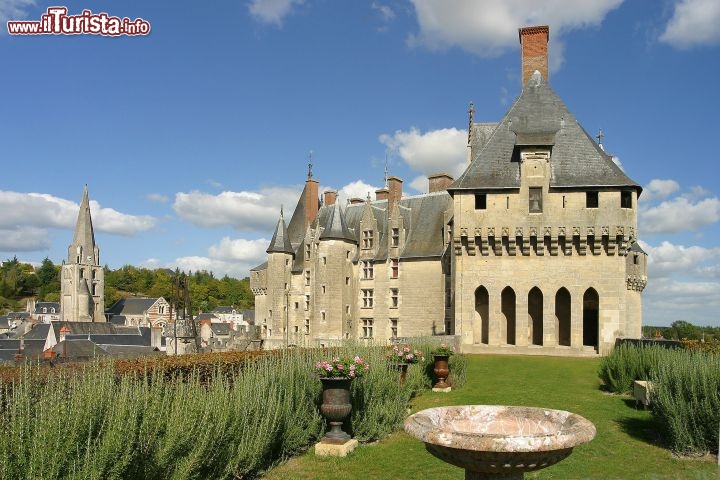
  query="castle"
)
[{"x": 531, "y": 250}]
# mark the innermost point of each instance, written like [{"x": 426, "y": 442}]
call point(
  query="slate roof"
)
[
  {"x": 79, "y": 348},
  {"x": 223, "y": 309},
  {"x": 131, "y": 306},
  {"x": 131, "y": 351},
  {"x": 280, "y": 242},
  {"x": 206, "y": 316},
  {"x": 333, "y": 223},
  {"x": 221, "y": 328},
  {"x": 38, "y": 332},
  {"x": 539, "y": 117},
  {"x": 248, "y": 316},
  {"x": 48, "y": 305}
]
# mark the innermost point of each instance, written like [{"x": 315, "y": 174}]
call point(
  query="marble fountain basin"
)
[{"x": 494, "y": 441}]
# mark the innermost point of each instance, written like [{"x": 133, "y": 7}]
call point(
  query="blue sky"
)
[{"x": 191, "y": 138}]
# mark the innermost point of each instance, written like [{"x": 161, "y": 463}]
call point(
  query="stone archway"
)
[
  {"x": 481, "y": 323},
  {"x": 535, "y": 316},
  {"x": 508, "y": 311},
  {"x": 591, "y": 318},
  {"x": 562, "y": 316}
]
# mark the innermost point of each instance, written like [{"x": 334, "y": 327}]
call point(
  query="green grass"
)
[{"x": 627, "y": 444}]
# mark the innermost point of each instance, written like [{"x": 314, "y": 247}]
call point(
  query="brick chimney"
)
[
  {"x": 356, "y": 200},
  {"x": 382, "y": 193},
  {"x": 311, "y": 200},
  {"x": 534, "y": 46},
  {"x": 330, "y": 197},
  {"x": 395, "y": 194},
  {"x": 439, "y": 182}
]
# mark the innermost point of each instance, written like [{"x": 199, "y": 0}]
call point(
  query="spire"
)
[
  {"x": 83, "y": 249},
  {"x": 280, "y": 242}
]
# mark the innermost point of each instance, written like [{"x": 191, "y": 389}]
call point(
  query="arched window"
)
[
  {"x": 481, "y": 322},
  {"x": 562, "y": 316},
  {"x": 591, "y": 318},
  {"x": 535, "y": 316},
  {"x": 508, "y": 311}
]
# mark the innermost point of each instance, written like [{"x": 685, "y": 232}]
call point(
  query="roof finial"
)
[
  {"x": 599, "y": 139},
  {"x": 385, "y": 178},
  {"x": 368, "y": 197},
  {"x": 310, "y": 158},
  {"x": 471, "y": 118},
  {"x": 281, "y": 210}
]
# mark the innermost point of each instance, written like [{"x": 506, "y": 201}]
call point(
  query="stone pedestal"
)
[
  {"x": 441, "y": 389},
  {"x": 324, "y": 449}
]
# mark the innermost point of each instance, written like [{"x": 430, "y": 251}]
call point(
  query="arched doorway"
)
[
  {"x": 562, "y": 316},
  {"x": 481, "y": 324},
  {"x": 535, "y": 316},
  {"x": 591, "y": 318},
  {"x": 508, "y": 311}
]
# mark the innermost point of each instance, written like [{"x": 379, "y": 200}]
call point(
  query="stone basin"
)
[{"x": 493, "y": 441}]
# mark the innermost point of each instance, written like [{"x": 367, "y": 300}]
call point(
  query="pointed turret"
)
[
  {"x": 335, "y": 226},
  {"x": 83, "y": 249},
  {"x": 280, "y": 242}
]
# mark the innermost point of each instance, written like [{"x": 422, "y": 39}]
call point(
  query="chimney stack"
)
[
  {"x": 534, "y": 46},
  {"x": 395, "y": 194},
  {"x": 382, "y": 193},
  {"x": 439, "y": 182},
  {"x": 311, "y": 201},
  {"x": 330, "y": 197}
]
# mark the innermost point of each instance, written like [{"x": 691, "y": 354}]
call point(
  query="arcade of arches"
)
[{"x": 508, "y": 328}]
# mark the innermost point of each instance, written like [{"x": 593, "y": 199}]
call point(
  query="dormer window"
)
[
  {"x": 395, "y": 237},
  {"x": 367, "y": 239}
]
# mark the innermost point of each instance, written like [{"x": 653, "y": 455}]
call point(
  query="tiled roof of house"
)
[{"x": 131, "y": 306}]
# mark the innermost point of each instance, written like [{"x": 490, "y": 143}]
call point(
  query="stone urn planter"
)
[
  {"x": 441, "y": 370},
  {"x": 335, "y": 407},
  {"x": 499, "y": 442}
]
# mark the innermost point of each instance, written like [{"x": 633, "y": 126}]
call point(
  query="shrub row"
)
[
  {"x": 686, "y": 391},
  {"x": 228, "y": 417}
]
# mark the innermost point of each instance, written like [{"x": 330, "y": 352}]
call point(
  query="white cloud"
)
[
  {"x": 673, "y": 291},
  {"x": 386, "y": 12},
  {"x": 249, "y": 211},
  {"x": 272, "y": 11},
  {"x": 490, "y": 27},
  {"x": 14, "y": 10},
  {"x": 356, "y": 189},
  {"x": 667, "y": 258},
  {"x": 234, "y": 257},
  {"x": 239, "y": 250},
  {"x": 420, "y": 184},
  {"x": 431, "y": 152},
  {"x": 47, "y": 211},
  {"x": 157, "y": 197},
  {"x": 679, "y": 214},
  {"x": 24, "y": 239},
  {"x": 659, "y": 189},
  {"x": 694, "y": 22}
]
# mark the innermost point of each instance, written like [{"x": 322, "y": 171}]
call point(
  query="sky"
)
[{"x": 191, "y": 138}]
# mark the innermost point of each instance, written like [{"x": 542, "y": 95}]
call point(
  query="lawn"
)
[{"x": 627, "y": 444}]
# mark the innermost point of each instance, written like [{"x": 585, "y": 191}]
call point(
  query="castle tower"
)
[
  {"x": 82, "y": 281},
  {"x": 280, "y": 257}
]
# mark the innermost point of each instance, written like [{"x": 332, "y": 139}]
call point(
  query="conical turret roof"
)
[
  {"x": 280, "y": 242},
  {"x": 335, "y": 226}
]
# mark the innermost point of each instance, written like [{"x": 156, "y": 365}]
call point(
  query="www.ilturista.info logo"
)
[{"x": 57, "y": 22}]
